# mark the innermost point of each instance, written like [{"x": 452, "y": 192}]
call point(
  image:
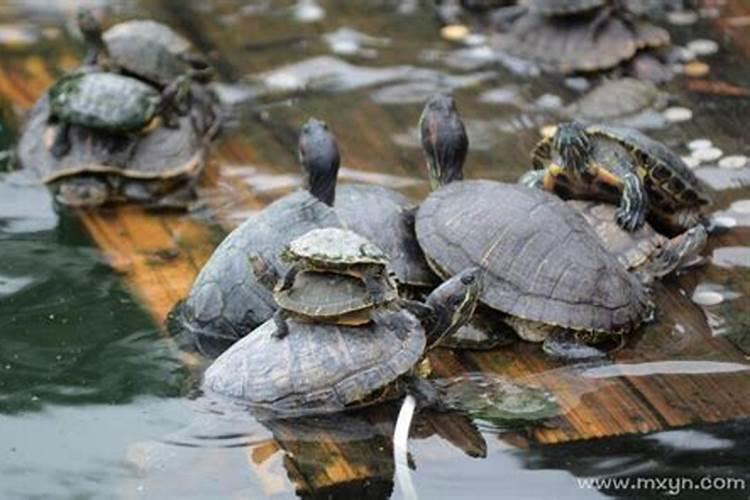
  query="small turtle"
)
[
  {"x": 320, "y": 367},
  {"x": 625, "y": 101},
  {"x": 226, "y": 301},
  {"x": 573, "y": 44},
  {"x": 143, "y": 48},
  {"x": 513, "y": 232},
  {"x": 111, "y": 103},
  {"x": 620, "y": 164}
]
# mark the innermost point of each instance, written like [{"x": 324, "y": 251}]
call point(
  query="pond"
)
[{"x": 96, "y": 401}]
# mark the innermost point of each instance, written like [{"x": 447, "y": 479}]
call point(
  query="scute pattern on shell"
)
[
  {"x": 672, "y": 184},
  {"x": 631, "y": 248},
  {"x": 324, "y": 294},
  {"x": 615, "y": 99},
  {"x": 543, "y": 261},
  {"x": 384, "y": 217},
  {"x": 336, "y": 246},
  {"x": 316, "y": 367},
  {"x": 104, "y": 100},
  {"x": 226, "y": 300}
]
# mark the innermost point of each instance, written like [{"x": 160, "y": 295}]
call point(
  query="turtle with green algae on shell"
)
[
  {"x": 622, "y": 165},
  {"x": 145, "y": 49},
  {"x": 545, "y": 268},
  {"x": 324, "y": 368},
  {"x": 498, "y": 401},
  {"x": 226, "y": 302},
  {"x": 127, "y": 157}
]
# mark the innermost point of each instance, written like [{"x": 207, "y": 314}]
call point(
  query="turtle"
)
[
  {"x": 226, "y": 301},
  {"x": 144, "y": 49},
  {"x": 623, "y": 165},
  {"x": 76, "y": 140},
  {"x": 545, "y": 267},
  {"x": 624, "y": 101},
  {"x": 572, "y": 44},
  {"x": 111, "y": 103},
  {"x": 320, "y": 367}
]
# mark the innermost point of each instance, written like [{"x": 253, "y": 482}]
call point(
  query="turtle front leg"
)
[
  {"x": 375, "y": 284},
  {"x": 280, "y": 318},
  {"x": 633, "y": 208},
  {"x": 61, "y": 144},
  {"x": 287, "y": 282}
]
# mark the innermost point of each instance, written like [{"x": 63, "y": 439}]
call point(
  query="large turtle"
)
[
  {"x": 226, "y": 301},
  {"x": 545, "y": 266},
  {"x": 143, "y": 48},
  {"x": 619, "y": 164},
  {"x": 561, "y": 7},
  {"x": 319, "y": 367}
]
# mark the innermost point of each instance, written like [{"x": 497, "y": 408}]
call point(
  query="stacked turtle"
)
[
  {"x": 131, "y": 124},
  {"x": 341, "y": 336},
  {"x": 570, "y": 36}
]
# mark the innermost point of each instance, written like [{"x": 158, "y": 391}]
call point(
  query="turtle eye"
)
[{"x": 468, "y": 279}]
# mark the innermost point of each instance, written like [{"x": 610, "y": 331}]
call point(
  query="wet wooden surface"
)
[{"x": 159, "y": 255}]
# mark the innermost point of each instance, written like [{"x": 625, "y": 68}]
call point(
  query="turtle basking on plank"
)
[
  {"x": 323, "y": 368},
  {"x": 622, "y": 165},
  {"x": 226, "y": 301},
  {"x": 545, "y": 267}
]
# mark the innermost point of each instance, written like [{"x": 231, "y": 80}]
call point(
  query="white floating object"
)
[
  {"x": 703, "y": 47},
  {"x": 710, "y": 154},
  {"x": 475, "y": 39},
  {"x": 691, "y": 161},
  {"x": 707, "y": 298},
  {"x": 699, "y": 144},
  {"x": 677, "y": 114},
  {"x": 733, "y": 161},
  {"x": 308, "y": 11},
  {"x": 741, "y": 206},
  {"x": 682, "y": 17},
  {"x": 725, "y": 221}
]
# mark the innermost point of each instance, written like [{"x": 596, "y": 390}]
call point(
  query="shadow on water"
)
[{"x": 92, "y": 397}]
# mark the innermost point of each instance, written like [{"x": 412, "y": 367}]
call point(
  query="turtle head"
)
[
  {"x": 571, "y": 146},
  {"x": 89, "y": 25},
  {"x": 444, "y": 140},
  {"x": 265, "y": 272},
  {"x": 453, "y": 303},
  {"x": 320, "y": 159}
]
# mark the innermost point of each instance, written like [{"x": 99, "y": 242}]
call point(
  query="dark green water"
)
[{"x": 95, "y": 404}]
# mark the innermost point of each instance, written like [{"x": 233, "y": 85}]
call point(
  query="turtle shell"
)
[
  {"x": 226, "y": 301},
  {"x": 542, "y": 261},
  {"x": 561, "y": 7},
  {"x": 323, "y": 295},
  {"x": 565, "y": 44},
  {"x": 671, "y": 184},
  {"x": 334, "y": 248},
  {"x": 147, "y": 49},
  {"x": 615, "y": 100},
  {"x": 105, "y": 101},
  {"x": 632, "y": 248},
  {"x": 317, "y": 367},
  {"x": 386, "y": 218}
]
